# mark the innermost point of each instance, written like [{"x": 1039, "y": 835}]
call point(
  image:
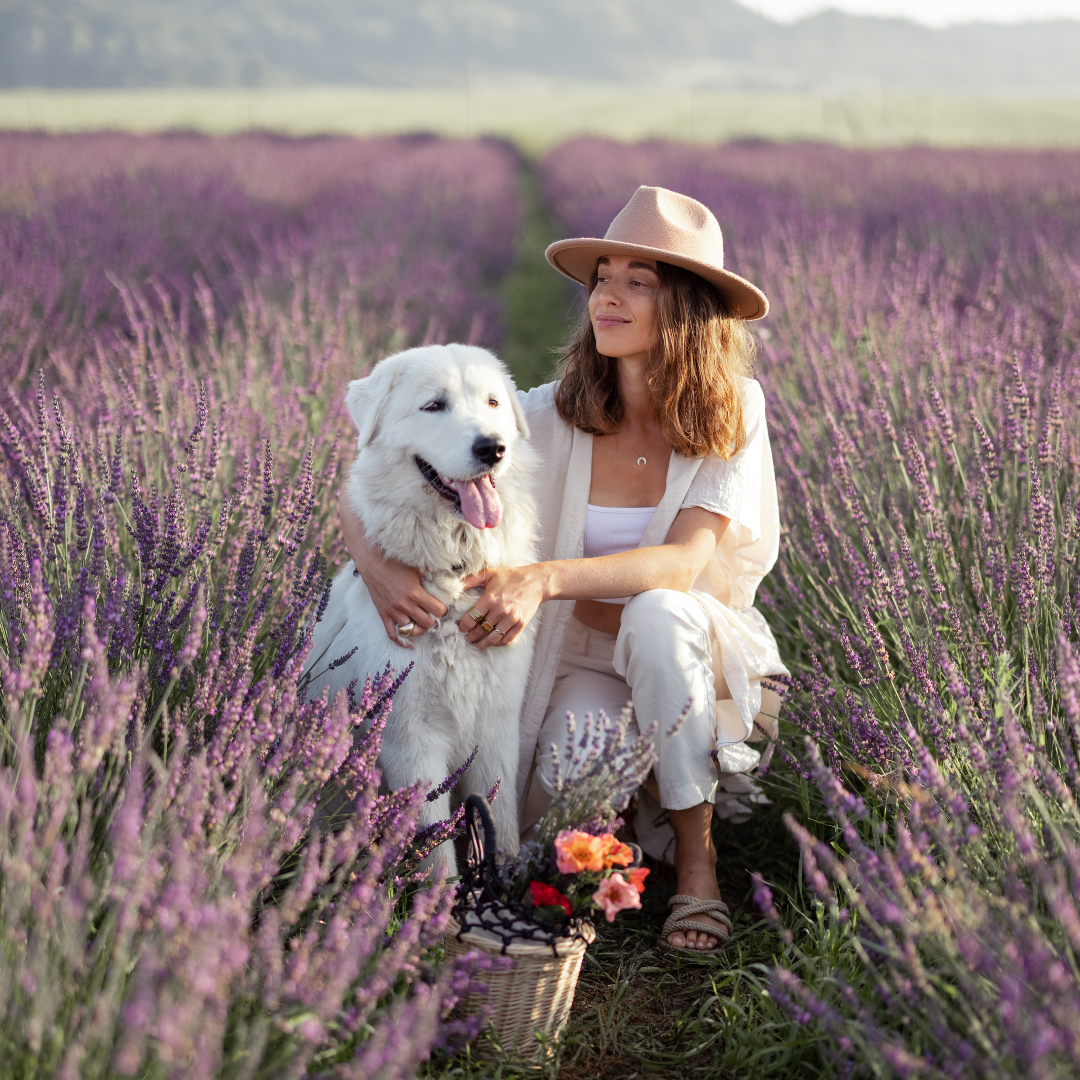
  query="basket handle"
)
[{"x": 481, "y": 829}]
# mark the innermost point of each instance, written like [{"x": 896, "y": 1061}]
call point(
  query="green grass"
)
[
  {"x": 537, "y": 116},
  {"x": 536, "y": 299}
]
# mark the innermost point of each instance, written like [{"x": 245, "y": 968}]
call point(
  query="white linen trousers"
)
[{"x": 662, "y": 632}]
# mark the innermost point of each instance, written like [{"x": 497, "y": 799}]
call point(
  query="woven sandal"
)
[{"x": 684, "y": 920}]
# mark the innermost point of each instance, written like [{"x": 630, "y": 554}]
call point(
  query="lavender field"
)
[
  {"x": 178, "y": 316},
  {"x": 922, "y": 369}
]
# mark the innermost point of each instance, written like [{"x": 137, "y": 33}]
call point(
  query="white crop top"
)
[{"x": 612, "y": 529}]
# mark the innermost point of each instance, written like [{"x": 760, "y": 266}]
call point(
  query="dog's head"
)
[{"x": 453, "y": 411}]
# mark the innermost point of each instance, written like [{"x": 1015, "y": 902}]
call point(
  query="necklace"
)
[{"x": 642, "y": 459}]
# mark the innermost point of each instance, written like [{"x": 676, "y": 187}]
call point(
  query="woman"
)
[{"x": 658, "y": 522}]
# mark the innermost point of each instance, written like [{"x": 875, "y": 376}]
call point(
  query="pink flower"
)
[
  {"x": 576, "y": 851},
  {"x": 616, "y": 894}
]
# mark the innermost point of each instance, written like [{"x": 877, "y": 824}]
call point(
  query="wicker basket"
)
[{"x": 534, "y": 996}]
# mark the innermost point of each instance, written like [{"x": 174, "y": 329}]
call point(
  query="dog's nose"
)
[{"x": 488, "y": 450}]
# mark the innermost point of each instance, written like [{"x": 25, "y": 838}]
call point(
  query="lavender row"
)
[
  {"x": 416, "y": 232},
  {"x": 922, "y": 369},
  {"x": 176, "y": 897}
]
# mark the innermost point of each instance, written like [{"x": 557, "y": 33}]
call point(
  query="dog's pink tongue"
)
[{"x": 480, "y": 502}]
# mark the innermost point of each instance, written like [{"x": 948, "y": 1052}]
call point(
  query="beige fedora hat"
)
[{"x": 669, "y": 227}]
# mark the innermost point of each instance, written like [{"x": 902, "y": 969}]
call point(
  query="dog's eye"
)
[
  {"x": 493, "y": 402},
  {"x": 438, "y": 405}
]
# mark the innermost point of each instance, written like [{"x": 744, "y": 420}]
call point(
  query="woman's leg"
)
[
  {"x": 695, "y": 865},
  {"x": 664, "y": 651},
  {"x": 666, "y": 647},
  {"x": 577, "y": 690}
]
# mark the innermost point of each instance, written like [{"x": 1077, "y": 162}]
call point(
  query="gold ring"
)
[
  {"x": 406, "y": 629},
  {"x": 476, "y": 616},
  {"x": 486, "y": 627}
]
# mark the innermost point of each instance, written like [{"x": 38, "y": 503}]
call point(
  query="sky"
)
[{"x": 930, "y": 12}]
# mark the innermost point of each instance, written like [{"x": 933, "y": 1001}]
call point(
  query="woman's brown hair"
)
[{"x": 693, "y": 374}]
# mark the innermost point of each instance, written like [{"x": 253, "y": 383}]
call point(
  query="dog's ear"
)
[
  {"x": 519, "y": 412},
  {"x": 366, "y": 401}
]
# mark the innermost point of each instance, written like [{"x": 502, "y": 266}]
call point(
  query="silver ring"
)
[
  {"x": 406, "y": 629},
  {"x": 496, "y": 630}
]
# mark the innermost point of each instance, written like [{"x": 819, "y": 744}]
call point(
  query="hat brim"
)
[{"x": 577, "y": 259}]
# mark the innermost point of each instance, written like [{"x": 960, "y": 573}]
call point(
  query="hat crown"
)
[
  {"x": 660, "y": 224},
  {"x": 658, "y": 218}
]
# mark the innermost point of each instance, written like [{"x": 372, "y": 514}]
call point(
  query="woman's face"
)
[{"x": 623, "y": 306}]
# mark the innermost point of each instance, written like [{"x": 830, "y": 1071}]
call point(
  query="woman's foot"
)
[
  {"x": 695, "y": 865},
  {"x": 697, "y": 939}
]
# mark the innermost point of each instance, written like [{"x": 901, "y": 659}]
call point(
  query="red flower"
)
[{"x": 547, "y": 896}]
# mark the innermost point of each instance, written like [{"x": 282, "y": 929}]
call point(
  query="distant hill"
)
[{"x": 716, "y": 44}]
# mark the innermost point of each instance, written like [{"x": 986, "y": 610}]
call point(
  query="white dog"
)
[{"x": 442, "y": 482}]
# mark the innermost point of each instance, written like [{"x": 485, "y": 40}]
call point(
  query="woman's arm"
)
[
  {"x": 395, "y": 588},
  {"x": 513, "y": 593}
]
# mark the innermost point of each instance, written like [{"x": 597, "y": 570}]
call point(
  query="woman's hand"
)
[
  {"x": 395, "y": 588},
  {"x": 400, "y": 599},
  {"x": 511, "y": 596}
]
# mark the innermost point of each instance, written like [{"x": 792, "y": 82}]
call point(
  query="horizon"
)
[{"x": 935, "y": 14}]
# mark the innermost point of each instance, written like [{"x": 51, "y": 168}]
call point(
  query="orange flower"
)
[
  {"x": 637, "y": 877},
  {"x": 576, "y": 851},
  {"x": 616, "y": 853}
]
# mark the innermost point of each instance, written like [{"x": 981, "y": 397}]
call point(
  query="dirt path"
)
[{"x": 536, "y": 300}]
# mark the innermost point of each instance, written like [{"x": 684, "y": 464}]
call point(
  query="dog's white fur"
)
[{"x": 456, "y": 698}]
